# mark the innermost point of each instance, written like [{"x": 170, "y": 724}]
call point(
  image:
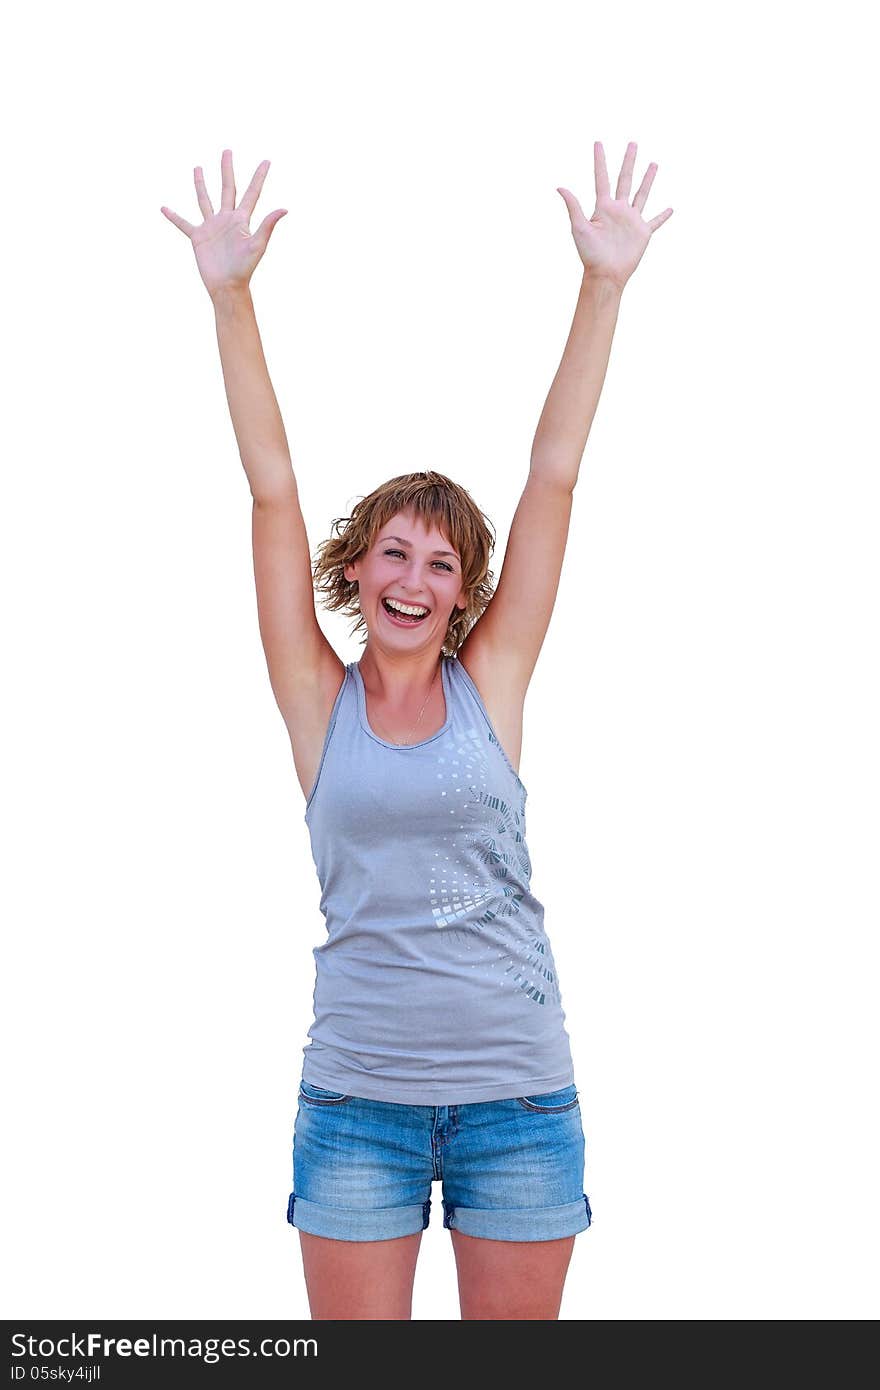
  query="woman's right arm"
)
[
  {"x": 298, "y": 655},
  {"x": 295, "y": 646},
  {"x": 256, "y": 419}
]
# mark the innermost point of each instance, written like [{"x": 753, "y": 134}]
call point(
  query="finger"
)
[
  {"x": 227, "y": 180},
  {"x": 253, "y": 190},
  {"x": 624, "y": 182},
  {"x": 180, "y": 222},
  {"x": 658, "y": 221},
  {"x": 602, "y": 186},
  {"x": 205, "y": 205},
  {"x": 644, "y": 187}
]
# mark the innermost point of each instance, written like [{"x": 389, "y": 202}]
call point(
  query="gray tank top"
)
[{"x": 436, "y": 984}]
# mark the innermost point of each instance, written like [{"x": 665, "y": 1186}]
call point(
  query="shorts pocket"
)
[
  {"x": 551, "y": 1102},
  {"x": 316, "y": 1095}
]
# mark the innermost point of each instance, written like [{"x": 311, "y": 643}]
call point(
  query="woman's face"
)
[{"x": 413, "y": 565}]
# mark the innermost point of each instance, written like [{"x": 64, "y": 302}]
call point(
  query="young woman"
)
[{"x": 438, "y": 1050}]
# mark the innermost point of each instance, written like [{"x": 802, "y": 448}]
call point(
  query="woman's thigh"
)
[
  {"x": 513, "y": 1198},
  {"x": 362, "y": 1174},
  {"x": 510, "y": 1280},
  {"x": 360, "y": 1280}
]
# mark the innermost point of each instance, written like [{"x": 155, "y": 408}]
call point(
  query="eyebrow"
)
[{"x": 409, "y": 543}]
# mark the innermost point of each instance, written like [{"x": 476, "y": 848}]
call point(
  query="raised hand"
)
[
  {"x": 227, "y": 254},
  {"x": 612, "y": 242}
]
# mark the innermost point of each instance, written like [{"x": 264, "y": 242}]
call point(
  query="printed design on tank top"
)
[{"x": 494, "y": 828}]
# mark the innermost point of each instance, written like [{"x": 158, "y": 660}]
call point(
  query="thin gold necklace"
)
[{"x": 401, "y": 742}]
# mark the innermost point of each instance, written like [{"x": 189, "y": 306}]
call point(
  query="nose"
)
[{"x": 413, "y": 589}]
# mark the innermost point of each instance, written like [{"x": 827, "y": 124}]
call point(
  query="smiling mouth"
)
[{"x": 404, "y": 619}]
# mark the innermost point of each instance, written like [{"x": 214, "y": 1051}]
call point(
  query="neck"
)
[{"x": 399, "y": 679}]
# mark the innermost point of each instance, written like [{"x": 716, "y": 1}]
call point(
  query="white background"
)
[{"x": 701, "y": 748}]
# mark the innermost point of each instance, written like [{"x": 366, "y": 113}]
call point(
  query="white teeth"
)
[{"x": 405, "y": 608}]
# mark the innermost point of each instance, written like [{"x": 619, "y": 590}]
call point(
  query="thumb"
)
[
  {"x": 571, "y": 202},
  {"x": 268, "y": 225}
]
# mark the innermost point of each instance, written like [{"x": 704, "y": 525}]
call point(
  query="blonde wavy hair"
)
[{"x": 434, "y": 499}]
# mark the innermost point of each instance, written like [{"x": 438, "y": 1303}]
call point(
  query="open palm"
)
[
  {"x": 612, "y": 242},
  {"x": 226, "y": 252}
]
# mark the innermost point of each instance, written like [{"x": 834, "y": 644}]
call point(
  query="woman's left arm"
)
[
  {"x": 502, "y": 647},
  {"x": 610, "y": 244}
]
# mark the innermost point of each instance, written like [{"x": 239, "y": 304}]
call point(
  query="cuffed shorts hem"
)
[
  {"x": 345, "y": 1223},
  {"x": 527, "y": 1223},
  {"x": 388, "y": 1223}
]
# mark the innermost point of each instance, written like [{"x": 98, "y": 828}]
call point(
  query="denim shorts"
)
[{"x": 510, "y": 1169}]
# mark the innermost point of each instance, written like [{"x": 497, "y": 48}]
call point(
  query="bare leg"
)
[
  {"x": 360, "y": 1279},
  {"x": 510, "y": 1279}
]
